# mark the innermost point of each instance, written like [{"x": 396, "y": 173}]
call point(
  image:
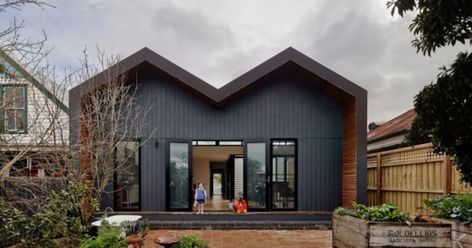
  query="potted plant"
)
[
  {"x": 137, "y": 240},
  {"x": 457, "y": 211},
  {"x": 385, "y": 226}
]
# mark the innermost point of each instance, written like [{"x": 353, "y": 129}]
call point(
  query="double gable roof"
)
[{"x": 321, "y": 77}]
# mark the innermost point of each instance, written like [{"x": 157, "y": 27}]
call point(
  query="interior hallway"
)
[{"x": 217, "y": 203}]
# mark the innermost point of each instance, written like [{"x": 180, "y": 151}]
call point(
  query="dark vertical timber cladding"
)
[{"x": 282, "y": 107}]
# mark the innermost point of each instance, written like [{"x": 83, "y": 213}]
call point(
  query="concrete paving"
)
[{"x": 251, "y": 238}]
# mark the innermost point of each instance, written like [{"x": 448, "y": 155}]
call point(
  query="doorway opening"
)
[
  {"x": 216, "y": 164},
  {"x": 264, "y": 173}
]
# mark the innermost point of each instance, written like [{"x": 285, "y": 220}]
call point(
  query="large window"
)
[
  {"x": 127, "y": 178},
  {"x": 283, "y": 174},
  {"x": 179, "y": 185},
  {"x": 256, "y": 175},
  {"x": 13, "y": 108}
]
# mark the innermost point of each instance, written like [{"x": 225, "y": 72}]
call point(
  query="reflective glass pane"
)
[
  {"x": 179, "y": 176},
  {"x": 206, "y": 143},
  {"x": 14, "y": 97},
  {"x": 20, "y": 120},
  {"x": 230, "y": 143},
  {"x": 127, "y": 175},
  {"x": 280, "y": 169},
  {"x": 283, "y": 174},
  {"x": 256, "y": 175},
  {"x": 278, "y": 149},
  {"x": 19, "y": 101}
]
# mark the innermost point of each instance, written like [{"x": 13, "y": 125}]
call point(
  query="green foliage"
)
[
  {"x": 143, "y": 228},
  {"x": 11, "y": 220},
  {"x": 384, "y": 212},
  {"x": 190, "y": 241},
  {"x": 444, "y": 108},
  {"x": 444, "y": 114},
  {"x": 59, "y": 217},
  {"x": 456, "y": 207},
  {"x": 108, "y": 237},
  {"x": 437, "y": 23}
]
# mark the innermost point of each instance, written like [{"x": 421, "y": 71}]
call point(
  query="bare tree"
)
[
  {"x": 111, "y": 116},
  {"x": 29, "y": 51},
  {"x": 33, "y": 124},
  {"x": 112, "y": 121},
  {"x": 34, "y": 131}
]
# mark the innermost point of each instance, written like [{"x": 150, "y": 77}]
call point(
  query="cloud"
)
[
  {"x": 373, "y": 52},
  {"x": 220, "y": 40}
]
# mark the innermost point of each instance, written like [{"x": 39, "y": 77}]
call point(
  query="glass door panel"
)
[
  {"x": 179, "y": 175},
  {"x": 283, "y": 183},
  {"x": 256, "y": 175},
  {"x": 127, "y": 177}
]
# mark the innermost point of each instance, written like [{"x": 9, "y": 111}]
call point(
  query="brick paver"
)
[{"x": 251, "y": 238}]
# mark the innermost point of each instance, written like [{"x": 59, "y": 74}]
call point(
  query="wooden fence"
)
[{"x": 405, "y": 177}]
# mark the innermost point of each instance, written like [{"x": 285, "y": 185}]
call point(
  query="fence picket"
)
[{"x": 407, "y": 176}]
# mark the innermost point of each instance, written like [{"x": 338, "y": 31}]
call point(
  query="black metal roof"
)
[{"x": 332, "y": 83}]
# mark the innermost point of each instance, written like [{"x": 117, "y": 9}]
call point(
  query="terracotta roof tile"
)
[{"x": 397, "y": 124}]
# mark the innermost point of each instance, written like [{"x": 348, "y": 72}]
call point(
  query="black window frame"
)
[
  {"x": 167, "y": 175},
  {"x": 295, "y": 156},
  {"x": 115, "y": 206}
]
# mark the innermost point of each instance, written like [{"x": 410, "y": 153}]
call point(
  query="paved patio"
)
[{"x": 251, "y": 238}]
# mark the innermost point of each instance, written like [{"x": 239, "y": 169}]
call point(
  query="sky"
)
[{"x": 219, "y": 40}]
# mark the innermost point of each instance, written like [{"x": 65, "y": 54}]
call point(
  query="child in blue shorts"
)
[{"x": 200, "y": 197}]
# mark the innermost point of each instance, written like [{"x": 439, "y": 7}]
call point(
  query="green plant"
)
[
  {"x": 190, "y": 241},
  {"x": 444, "y": 107},
  {"x": 58, "y": 223},
  {"x": 11, "y": 220},
  {"x": 384, "y": 212},
  {"x": 108, "y": 237},
  {"x": 456, "y": 207},
  {"x": 143, "y": 228},
  {"x": 59, "y": 217}
]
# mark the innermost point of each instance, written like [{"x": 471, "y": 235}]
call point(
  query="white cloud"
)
[{"x": 219, "y": 40}]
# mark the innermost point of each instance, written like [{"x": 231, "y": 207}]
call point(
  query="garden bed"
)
[{"x": 352, "y": 232}]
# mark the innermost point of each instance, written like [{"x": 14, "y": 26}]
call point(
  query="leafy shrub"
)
[
  {"x": 190, "y": 241},
  {"x": 11, "y": 221},
  {"x": 456, "y": 207},
  {"x": 59, "y": 217},
  {"x": 108, "y": 237},
  {"x": 384, "y": 212}
]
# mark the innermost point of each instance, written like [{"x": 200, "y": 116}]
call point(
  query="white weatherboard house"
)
[{"x": 33, "y": 120}]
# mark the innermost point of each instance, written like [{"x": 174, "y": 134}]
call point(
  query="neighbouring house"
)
[
  {"x": 390, "y": 134},
  {"x": 290, "y": 134},
  {"x": 33, "y": 121}
]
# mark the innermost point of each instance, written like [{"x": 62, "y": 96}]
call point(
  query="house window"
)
[
  {"x": 127, "y": 176},
  {"x": 13, "y": 108},
  {"x": 283, "y": 174}
]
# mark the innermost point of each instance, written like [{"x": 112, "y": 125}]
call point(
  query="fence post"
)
[
  {"x": 378, "y": 170},
  {"x": 447, "y": 166}
]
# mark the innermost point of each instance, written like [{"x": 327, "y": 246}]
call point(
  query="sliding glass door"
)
[
  {"x": 256, "y": 175},
  {"x": 178, "y": 176}
]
